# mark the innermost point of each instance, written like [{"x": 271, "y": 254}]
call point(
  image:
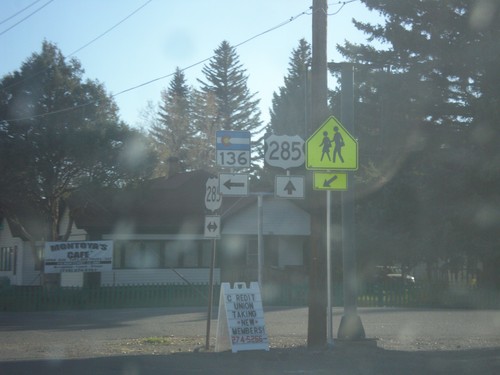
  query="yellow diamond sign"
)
[{"x": 332, "y": 147}]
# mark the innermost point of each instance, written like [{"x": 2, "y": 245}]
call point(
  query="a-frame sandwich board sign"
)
[{"x": 241, "y": 324}]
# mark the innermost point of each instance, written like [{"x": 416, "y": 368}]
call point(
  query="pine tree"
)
[
  {"x": 173, "y": 131},
  {"x": 428, "y": 113},
  {"x": 235, "y": 107},
  {"x": 204, "y": 119},
  {"x": 290, "y": 105},
  {"x": 226, "y": 80},
  {"x": 60, "y": 133}
]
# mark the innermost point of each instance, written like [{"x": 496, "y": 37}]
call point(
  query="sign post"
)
[
  {"x": 330, "y": 147},
  {"x": 213, "y": 201}
]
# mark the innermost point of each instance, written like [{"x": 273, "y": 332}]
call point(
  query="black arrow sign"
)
[
  {"x": 290, "y": 188},
  {"x": 327, "y": 183},
  {"x": 228, "y": 184},
  {"x": 212, "y": 226}
]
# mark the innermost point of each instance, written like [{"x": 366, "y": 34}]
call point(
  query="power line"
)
[
  {"x": 82, "y": 47},
  {"x": 110, "y": 29},
  {"x": 19, "y": 12},
  {"x": 342, "y": 5},
  {"x": 25, "y": 18},
  {"x": 158, "y": 78},
  {"x": 291, "y": 19}
]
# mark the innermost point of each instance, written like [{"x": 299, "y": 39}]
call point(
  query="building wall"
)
[
  {"x": 74, "y": 279},
  {"x": 30, "y": 273},
  {"x": 291, "y": 251},
  {"x": 9, "y": 254},
  {"x": 171, "y": 258},
  {"x": 280, "y": 218}
]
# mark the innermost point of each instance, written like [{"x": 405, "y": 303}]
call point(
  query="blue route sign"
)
[{"x": 233, "y": 148}]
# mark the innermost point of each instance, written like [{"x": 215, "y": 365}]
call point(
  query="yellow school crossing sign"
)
[{"x": 332, "y": 147}]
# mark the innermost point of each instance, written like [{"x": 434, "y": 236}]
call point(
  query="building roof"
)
[
  {"x": 176, "y": 205},
  {"x": 162, "y": 205}
]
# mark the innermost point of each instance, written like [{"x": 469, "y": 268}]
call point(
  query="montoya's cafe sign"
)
[{"x": 78, "y": 256}]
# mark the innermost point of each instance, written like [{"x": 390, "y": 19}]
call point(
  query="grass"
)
[{"x": 158, "y": 340}]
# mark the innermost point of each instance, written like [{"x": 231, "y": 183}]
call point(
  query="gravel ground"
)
[{"x": 150, "y": 340}]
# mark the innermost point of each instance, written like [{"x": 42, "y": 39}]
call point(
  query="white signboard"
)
[
  {"x": 78, "y": 256},
  {"x": 284, "y": 151},
  {"x": 212, "y": 226},
  {"x": 241, "y": 324},
  {"x": 289, "y": 187},
  {"x": 213, "y": 199},
  {"x": 233, "y": 184}
]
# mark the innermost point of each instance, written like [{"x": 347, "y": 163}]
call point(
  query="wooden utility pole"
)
[{"x": 316, "y": 332}]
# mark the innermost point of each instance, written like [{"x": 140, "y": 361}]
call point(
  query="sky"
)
[{"x": 128, "y": 43}]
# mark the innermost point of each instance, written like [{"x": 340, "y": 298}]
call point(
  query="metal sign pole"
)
[
  {"x": 260, "y": 241},
  {"x": 210, "y": 295},
  {"x": 329, "y": 322}
]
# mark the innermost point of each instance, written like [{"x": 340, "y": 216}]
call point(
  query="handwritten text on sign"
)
[{"x": 242, "y": 307}]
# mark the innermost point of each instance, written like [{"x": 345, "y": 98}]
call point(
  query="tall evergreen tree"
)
[
  {"x": 173, "y": 131},
  {"x": 290, "y": 105},
  {"x": 428, "y": 113},
  {"x": 226, "y": 80},
  {"x": 59, "y": 133},
  {"x": 204, "y": 119},
  {"x": 236, "y": 108}
]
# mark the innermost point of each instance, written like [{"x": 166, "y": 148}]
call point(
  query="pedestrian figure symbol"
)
[
  {"x": 326, "y": 144},
  {"x": 339, "y": 143}
]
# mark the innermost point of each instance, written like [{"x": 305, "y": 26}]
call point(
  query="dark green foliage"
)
[
  {"x": 173, "y": 132},
  {"x": 290, "y": 108},
  {"x": 427, "y": 118},
  {"x": 226, "y": 79},
  {"x": 229, "y": 103},
  {"x": 59, "y": 133}
]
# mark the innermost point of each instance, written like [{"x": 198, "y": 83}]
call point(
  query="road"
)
[{"x": 82, "y": 342}]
